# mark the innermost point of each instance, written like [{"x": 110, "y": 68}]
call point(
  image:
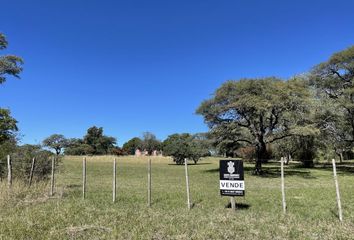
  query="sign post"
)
[{"x": 232, "y": 179}]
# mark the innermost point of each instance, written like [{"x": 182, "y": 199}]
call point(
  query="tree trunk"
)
[
  {"x": 261, "y": 152},
  {"x": 341, "y": 157}
]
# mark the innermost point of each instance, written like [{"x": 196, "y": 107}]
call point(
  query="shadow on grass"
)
[
  {"x": 189, "y": 164},
  {"x": 271, "y": 171},
  {"x": 214, "y": 170},
  {"x": 239, "y": 206},
  {"x": 274, "y": 172},
  {"x": 73, "y": 186},
  {"x": 335, "y": 213},
  {"x": 345, "y": 168}
]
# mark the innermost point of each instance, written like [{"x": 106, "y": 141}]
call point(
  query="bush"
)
[
  {"x": 22, "y": 160},
  {"x": 116, "y": 151}
]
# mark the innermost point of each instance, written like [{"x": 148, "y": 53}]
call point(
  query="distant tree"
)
[
  {"x": 57, "y": 142},
  {"x": 77, "y": 146},
  {"x": 9, "y": 64},
  {"x": 299, "y": 148},
  {"x": 116, "y": 151},
  {"x": 150, "y": 143},
  {"x": 133, "y": 144},
  {"x": 183, "y": 146},
  {"x": 203, "y": 144},
  {"x": 259, "y": 112},
  {"x": 100, "y": 143}
]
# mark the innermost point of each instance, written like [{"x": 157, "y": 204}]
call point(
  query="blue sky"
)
[{"x": 136, "y": 66}]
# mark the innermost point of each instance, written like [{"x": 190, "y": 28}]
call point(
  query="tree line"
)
[
  {"x": 308, "y": 116},
  {"x": 179, "y": 146}
]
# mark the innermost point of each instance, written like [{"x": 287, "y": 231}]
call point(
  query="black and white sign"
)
[{"x": 231, "y": 178}]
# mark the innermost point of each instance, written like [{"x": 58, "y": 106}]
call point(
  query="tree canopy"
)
[
  {"x": 8, "y": 125},
  {"x": 259, "y": 111},
  {"x": 133, "y": 144},
  {"x": 56, "y": 142},
  {"x": 100, "y": 143},
  {"x": 150, "y": 143},
  {"x": 10, "y": 65},
  {"x": 334, "y": 82},
  {"x": 93, "y": 143}
]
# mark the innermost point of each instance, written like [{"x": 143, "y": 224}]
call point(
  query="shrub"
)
[{"x": 22, "y": 160}]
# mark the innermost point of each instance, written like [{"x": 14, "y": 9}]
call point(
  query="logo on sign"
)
[{"x": 231, "y": 168}]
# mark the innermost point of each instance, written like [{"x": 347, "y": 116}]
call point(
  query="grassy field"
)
[{"x": 311, "y": 214}]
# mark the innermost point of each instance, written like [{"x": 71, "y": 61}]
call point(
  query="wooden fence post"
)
[
  {"x": 84, "y": 178},
  {"x": 187, "y": 183},
  {"x": 31, "y": 172},
  {"x": 283, "y": 184},
  {"x": 149, "y": 182},
  {"x": 9, "y": 171},
  {"x": 52, "y": 178},
  {"x": 337, "y": 190},
  {"x": 114, "y": 179}
]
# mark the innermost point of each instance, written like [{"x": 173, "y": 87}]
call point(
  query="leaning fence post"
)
[
  {"x": 187, "y": 183},
  {"x": 84, "y": 178},
  {"x": 9, "y": 171},
  {"x": 52, "y": 178},
  {"x": 149, "y": 182},
  {"x": 114, "y": 179},
  {"x": 283, "y": 184},
  {"x": 337, "y": 190},
  {"x": 31, "y": 172}
]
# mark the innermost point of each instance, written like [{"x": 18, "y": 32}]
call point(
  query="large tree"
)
[
  {"x": 57, "y": 142},
  {"x": 150, "y": 143},
  {"x": 334, "y": 82},
  {"x": 259, "y": 111},
  {"x": 100, "y": 143}
]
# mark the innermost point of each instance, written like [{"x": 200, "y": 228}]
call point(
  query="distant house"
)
[{"x": 139, "y": 153}]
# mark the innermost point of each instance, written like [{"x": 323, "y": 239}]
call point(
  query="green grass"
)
[{"x": 310, "y": 193}]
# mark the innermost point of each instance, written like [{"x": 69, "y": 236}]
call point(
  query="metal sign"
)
[{"x": 231, "y": 178}]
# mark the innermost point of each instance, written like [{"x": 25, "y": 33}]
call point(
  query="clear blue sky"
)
[{"x": 135, "y": 66}]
